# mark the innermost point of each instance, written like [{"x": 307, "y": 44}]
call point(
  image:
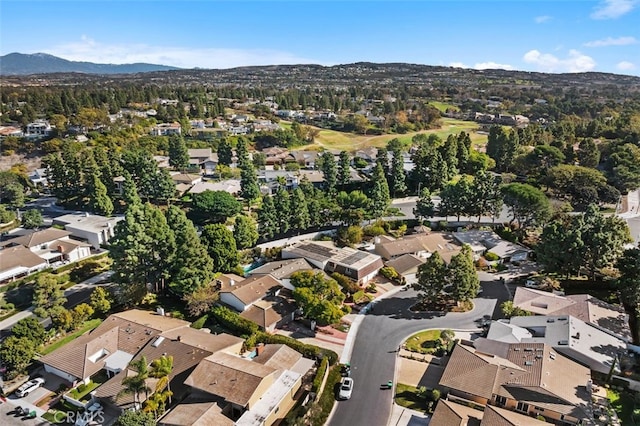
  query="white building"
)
[{"x": 95, "y": 229}]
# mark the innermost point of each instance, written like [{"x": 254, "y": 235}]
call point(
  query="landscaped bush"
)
[
  {"x": 309, "y": 351},
  {"x": 234, "y": 322},
  {"x": 389, "y": 273},
  {"x": 491, "y": 257},
  {"x": 318, "y": 413},
  {"x": 348, "y": 285},
  {"x": 200, "y": 322},
  {"x": 317, "y": 380},
  {"x": 374, "y": 230}
]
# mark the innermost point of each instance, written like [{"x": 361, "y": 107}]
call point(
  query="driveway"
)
[{"x": 51, "y": 386}]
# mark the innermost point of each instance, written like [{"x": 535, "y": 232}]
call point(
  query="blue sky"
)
[{"x": 541, "y": 35}]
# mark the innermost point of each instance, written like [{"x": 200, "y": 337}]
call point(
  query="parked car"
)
[
  {"x": 29, "y": 387},
  {"x": 346, "y": 388}
]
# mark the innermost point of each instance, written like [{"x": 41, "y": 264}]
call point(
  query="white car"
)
[
  {"x": 346, "y": 388},
  {"x": 29, "y": 387}
]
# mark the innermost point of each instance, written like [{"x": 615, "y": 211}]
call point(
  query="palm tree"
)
[
  {"x": 161, "y": 369},
  {"x": 137, "y": 384}
]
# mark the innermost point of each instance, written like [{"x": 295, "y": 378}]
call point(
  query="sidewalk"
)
[{"x": 401, "y": 416}]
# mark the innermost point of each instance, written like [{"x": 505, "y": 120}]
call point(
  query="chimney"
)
[
  {"x": 160, "y": 311},
  {"x": 589, "y": 385},
  {"x": 259, "y": 349},
  {"x": 179, "y": 338},
  {"x": 376, "y": 240},
  {"x": 232, "y": 282},
  {"x": 86, "y": 214}
]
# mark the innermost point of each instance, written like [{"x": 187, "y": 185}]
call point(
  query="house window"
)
[
  {"x": 522, "y": 407},
  {"x": 501, "y": 400}
]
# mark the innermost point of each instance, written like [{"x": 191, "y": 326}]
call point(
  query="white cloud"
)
[
  {"x": 492, "y": 66},
  {"x": 575, "y": 62},
  {"x": 459, "y": 65},
  {"x": 542, "y": 19},
  {"x": 612, "y": 9},
  {"x": 610, "y": 41},
  {"x": 625, "y": 66},
  {"x": 90, "y": 50}
]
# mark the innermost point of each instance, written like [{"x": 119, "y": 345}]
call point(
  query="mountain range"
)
[{"x": 43, "y": 63}]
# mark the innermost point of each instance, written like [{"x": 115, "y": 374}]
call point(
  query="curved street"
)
[{"x": 373, "y": 360}]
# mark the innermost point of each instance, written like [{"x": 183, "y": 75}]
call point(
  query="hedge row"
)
[
  {"x": 234, "y": 322},
  {"x": 199, "y": 323},
  {"x": 317, "y": 380},
  {"x": 309, "y": 351},
  {"x": 319, "y": 413}
]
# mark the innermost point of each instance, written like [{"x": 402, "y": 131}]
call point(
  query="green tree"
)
[
  {"x": 214, "y": 206},
  {"x": 161, "y": 369},
  {"x": 463, "y": 275},
  {"x": 329, "y": 171},
  {"x": 320, "y": 298},
  {"x": 527, "y": 204},
  {"x": 352, "y": 207},
  {"x": 61, "y": 318},
  {"x": 221, "y": 247},
  {"x": 502, "y": 146},
  {"x": 192, "y": 267},
  {"x": 99, "y": 201},
  {"x": 16, "y": 354},
  {"x": 136, "y": 418},
  {"x": 344, "y": 169},
  {"x": 629, "y": 284},
  {"x": 299, "y": 213},
  {"x": 398, "y": 178},
  {"x": 201, "y": 301},
  {"x": 6, "y": 216},
  {"x": 424, "y": 205},
  {"x": 13, "y": 194},
  {"x": 245, "y": 232},
  {"x": 101, "y": 300},
  {"x": 267, "y": 218},
  {"x": 432, "y": 279},
  {"x": 485, "y": 196},
  {"x": 379, "y": 194},
  {"x": 136, "y": 384},
  {"x": 282, "y": 204},
  {"x": 47, "y": 294},
  {"x": 225, "y": 152},
  {"x": 560, "y": 247},
  {"x": 178, "y": 152},
  {"x": 457, "y": 199},
  {"x": 588, "y": 153},
  {"x": 249, "y": 187},
  {"x": 80, "y": 313},
  {"x": 32, "y": 219},
  {"x": 31, "y": 329}
]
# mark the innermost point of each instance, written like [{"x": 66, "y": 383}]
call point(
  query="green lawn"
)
[
  {"x": 423, "y": 342},
  {"x": 407, "y": 396},
  {"x": 443, "y": 106},
  {"x": 87, "y": 326},
  {"x": 81, "y": 391}
]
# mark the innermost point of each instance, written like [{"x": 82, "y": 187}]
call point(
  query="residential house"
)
[
  {"x": 275, "y": 155},
  {"x": 38, "y": 129},
  {"x": 306, "y": 159},
  {"x": 52, "y": 245},
  {"x": 185, "y": 181},
  {"x": 6, "y": 131},
  {"x": 315, "y": 177},
  {"x": 111, "y": 346},
  {"x": 273, "y": 180},
  {"x": 166, "y": 129},
  {"x": 420, "y": 245},
  {"x": 39, "y": 177},
  {"x": 407, "y": 266},
  {"x": 449, "y": 413},
  {"x": 264, "y": 126},
  {"x": 241, "y": 295},
  {"x": 258, "y": 391},
  {"x": 209, "y": 133},
  {"x": 355, "y": 264},
  {"x": 203, "y": 159},
  {"x": 568, "y": 335},
  {"x": 162, "y": 161},
  {"x": 193, "y": 412},
  {"x": 232, "y": 186},
  {"x": 272, "y": 312},
  {"x": 530, "y": 378},
  {"x": 19, "y": 261},
  {"x": 483, "y": 241},
  {"x": 282, "y": 270},
  {"x": 601, "y": 315},
  {"x": 95, "y": 229},
  {"x": 187, "y": 346}
]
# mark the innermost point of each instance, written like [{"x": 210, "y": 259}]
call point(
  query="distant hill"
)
[{"x": 42, "y": 63}]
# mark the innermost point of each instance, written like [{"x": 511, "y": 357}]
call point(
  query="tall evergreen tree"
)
[
  {"x": 178, "y": 152},
  {"x": 379, "y": 196},
  {"x": 329, "y": 171},
  {"x": 221, "y": 247},
  {"x": 463, "y": 276},
  {"x": 192, "y": 267},
  {"x": 99, "y": 201},
  {"x": 225, "y": 152},
  {"x": 432, "y": 279},
  {"x": 344, "y": 168},
  {"x": 267, "y": 218},
  {"x": 398, "y": 184},
  {"x": 299, "y": 213},
  {"x": 424, "y": 205},
  {"x": 245, "y": 232},
  {"x": 282, "y": 204},
  {"x": 629, "y": 284}
]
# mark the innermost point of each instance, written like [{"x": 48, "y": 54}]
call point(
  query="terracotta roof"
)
[
  {"x": 233, "y": 378},
  {"x": 12, "y": 257},
  {"x": 266, "y": 313},
  {"x": 37, "y": 238},
  {"x": 282, "y": 269},
  {"x": 607, "y": 317},
  {"x": 278, "y": 356},
  {"x": 225, "y": 280},
  {"x": 405, "y": 263},
  {"x": 253, "y": 288},
  {"x": 202, "y": 339},
  {"x": 495, "y": 416},
  {"x": 432, "y": 242},
  {"x": 195, "y": 413},
  {"x": 67, "y": 246},
  {"x": 127, "y": 331},
  {"x": 448, "y": 413}
]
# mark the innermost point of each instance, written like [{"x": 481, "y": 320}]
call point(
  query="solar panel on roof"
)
[{"x": 354, "y": 258}]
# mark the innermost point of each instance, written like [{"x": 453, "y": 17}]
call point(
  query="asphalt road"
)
[
  {"x": 379, "y": 336},
  {"x": 406, "y": 206}
]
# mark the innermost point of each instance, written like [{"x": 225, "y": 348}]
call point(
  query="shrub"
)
[
  {"x": 234, "y": 322},
  {"x": 371, "y": 288},
  {"x": 491, "y": 257},
  {"x": 374, "y": 230},
  {"x": 348, "y": 285},
  {"x": 319, "y": 413},
  {"x": 200, "y": 322},
  {"x": 389, "y": 273},
  {"x": 317, "y": 380},
  {"x": 309, "y": 351}
]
